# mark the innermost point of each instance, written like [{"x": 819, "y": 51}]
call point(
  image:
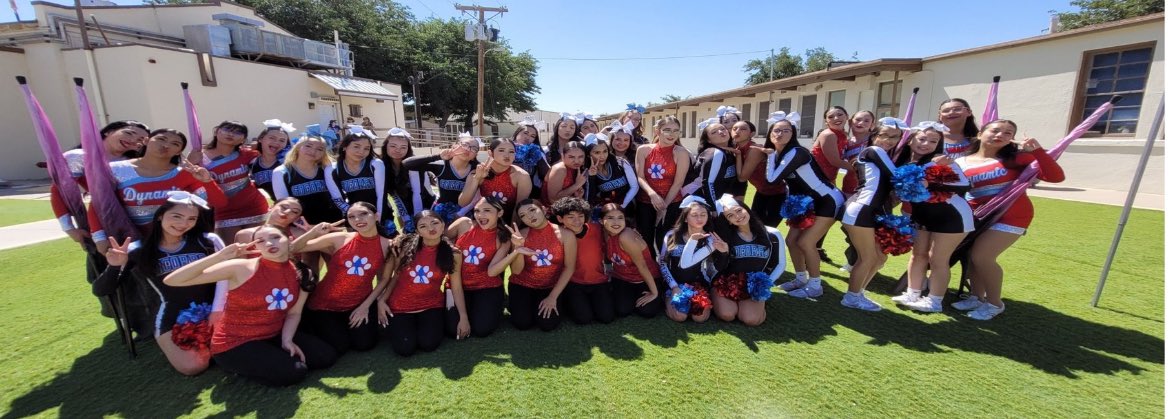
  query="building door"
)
[
  {"x": 328, "y": 111},
  {"x": 808, "y": 115}
]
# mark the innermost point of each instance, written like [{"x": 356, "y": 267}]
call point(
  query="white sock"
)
[
  {"x": 802, "y": 276},
  {"x": 914, "y": 292},
  {"x": 936, "y": 299},
  {"x": 817, "y": 279}
]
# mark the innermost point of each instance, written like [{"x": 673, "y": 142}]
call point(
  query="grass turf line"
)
[{"x": 1050, "y": 354}]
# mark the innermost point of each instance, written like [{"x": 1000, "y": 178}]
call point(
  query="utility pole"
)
[
  {"x": 479, "y": 42},
  {"x": 414, "y": 82},
  {"x": 772, "y": 65}
]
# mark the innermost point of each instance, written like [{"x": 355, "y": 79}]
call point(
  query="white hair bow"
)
[
  {"x": 569, "y": 116},
  {"x": 725, "y": 203},
  {"x": 399, "y": 132},
  {"x": 529, "y": 121},
  {"x": 627, "y": 128},
  {"x": 580, "y": 117},
  {"x": 635, "y": 107},
  {"x": 466, "y": 135},
  {"x": 723, "y": 110},
  {"x": 287, "y": 127},
  {"x": 890, "y": 121},
  {"x": 793, "y": 118},
  {"x": 693, "y": 199},
  {"x": 184, "y": 197},
  {"x": 703, "y": 125},
  {"x": 592, "y": 139},
  {"x": 925, "y": 125},
  {"x": 358, "y": 130}
]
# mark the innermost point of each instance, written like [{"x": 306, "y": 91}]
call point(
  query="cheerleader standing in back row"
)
[
  {"x": 451, "y": 167},
  {"x": 526, "y": 139},
  {"x": 302, "y": 176},
  {"x": 258, "y": 337},
  {"x": 696, "y": 221},
  {"x": 943, "y": 220},
  {"x": 956, "y": 114},
  {"x": 566, "y": 129},
  {"x": 499, "y": 178},
  {"x": 271, "y": 142},
  {"x": 875, "y": 172},
  {"x": 611, "y": 179},
  {"x": 358, "y": 177},
  {"x": 662, "y": 170},
  {"x": 717, "y": 165},
  {"x": 488, "y": 248},
  {"x": 752, "y": 248},
  {"x": 410, "y": 190},
  {"x": 994, "y": 162},
  {"x": 231, "y": 166},
  {"x": 769, "y": 196}
]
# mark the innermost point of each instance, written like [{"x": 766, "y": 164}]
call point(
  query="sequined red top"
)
[
  {"x": 570, "y": 178},
  {"x": 541, "y": 270},
  {"x": 500, "y": 186},
  {"x": 479, "y": 247},
  {"x": 350, "y": 276},
  {"x": 256, "y": 309},
  {"x": 590, "y": 269},
  {"x": 829, "y": 170},
  {"x": 659, "y": 172},
  {"x": 623, "y": 264},
  {"x": 419, "y": 285}
]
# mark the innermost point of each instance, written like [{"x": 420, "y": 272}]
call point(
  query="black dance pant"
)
[
  {"x": 626, "y": 295},
  {"x": 524, "y": 305},
  {"x": 589, "y": 303},
  {"x": 485, "y": 311},
  {"x": 413, "y": 332},
  {"x": 652, "y": 231},
  {"x": 265, "y": 362},
  {"x": 767, "y": 207},
  {"x": 333, "y": 328}
]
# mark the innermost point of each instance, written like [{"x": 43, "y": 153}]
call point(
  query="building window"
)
[
  {"x": 1117, "y": 71},
  {"x": 685, "y": 126},
  {"x": 784, "y": 105},
  {"x": 694, "y": 122},
  {"x": 745, "y": 113},
  {"x": 837, "y": 98},
  {"x": 762, "y": 112},
  {"x": 887, "y": 99},
  {"x": 355, "y": 110},
  {"x": 808, "y": 114}
]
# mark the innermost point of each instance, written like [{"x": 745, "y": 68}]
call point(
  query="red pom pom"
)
[
  {"x": 803, "y": 222},
  {"x": 700, "y": 302},
  {"x": 732, "y": 286},
  {"x": 937, "y": 197},
  {"x": 941, "y": 174},
  {"x": 192, "y": 336},
  {"x": 891, "y": 242}
]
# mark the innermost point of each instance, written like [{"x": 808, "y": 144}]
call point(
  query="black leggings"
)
[
  {"x": 652, "y": 231},
  {"x": 524, "y": 306},
  {"x": 265, "y": 362},
  {"x": 412, "y": 332},
  {"x": 767, "y": 207},
  {"x": 587, "y": 303},
  {"x": 333, "y": 328},
  {"x": 626, "y": 297},
  {"x": 485, "y": 310}
]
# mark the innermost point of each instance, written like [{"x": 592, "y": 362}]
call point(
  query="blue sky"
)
[{"x": 561, "y": 33}]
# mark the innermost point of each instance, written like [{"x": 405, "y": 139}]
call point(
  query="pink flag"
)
[
  {"x": 58, "y": 169},
  {"x": 193, "y": 132},
  {"x": 104, "y": 198},
  {"x": 1009, "y": 195},
  {"x": 909, "y": 120},
  {"x": 991, "y": 111}
]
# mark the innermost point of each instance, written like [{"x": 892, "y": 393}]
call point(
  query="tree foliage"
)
[
  {"x": 786, "y": 64},
  {"x": 817, "y": 59},
  {"x": 1093, "y": 12}
]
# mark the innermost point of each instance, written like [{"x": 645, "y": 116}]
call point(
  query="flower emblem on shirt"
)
[
  {"x": 473, "y": 254},
  {"x": 617, "y": 259},
  {"x": 656, "y": 171},
  {"x": 421, "y": 274},
  {"x": 542, "y": 258},
  {"x": 358, "y": 265},
  {"x": 279, "y": 299},
  {"x": 500, "y": 195}
]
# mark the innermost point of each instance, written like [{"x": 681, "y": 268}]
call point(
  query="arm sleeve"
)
[
  {"x": 96, "y": 231},
  {"x": 279, "y": 186},
  {"x": 334, "y": 191},
  {"x": 664, "y": 265},
  {"x": 433, "y": 164},
  {"x": 632, "y": 179},
  {"x": 110, "y": 279},
  {"x": 1050, "y": 170},
  {"x": 379, "y": 183},
  {"x": 778, "y": 260},
  {"x": 60, "y": 210},
  {"x": 710, "y": 172},
  {"x": 693, "y": 255}
]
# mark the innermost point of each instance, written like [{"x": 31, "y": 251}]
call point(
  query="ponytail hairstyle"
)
[
  {"x": 147, "y": 257},
  {"x": 726, "y": 231},
  {"x": 1007, "y": 154},
  {"x": 233, "y": 126},
  {"x": 970, "y": 128},
  {"x": 492, "y": 149},
  {"x": 905, "y": 154},
  {"x": 410, "y": 244},
  {"x": 164, "y": 131},
  {"x": 678, "y": 234},
  {"x": 668, "y": 119},
  {"x": 792, "y": 142},
  {"x": 873, "y": 129},
  {"x": 637, "y": 128}
]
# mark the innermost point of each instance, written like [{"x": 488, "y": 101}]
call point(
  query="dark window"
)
[{"x": 1119, "y": 71}]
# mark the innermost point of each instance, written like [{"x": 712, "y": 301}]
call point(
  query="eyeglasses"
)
[
  {"x": 670, "y": 131},
  {"x": 782, "y": 131},
  {"x": 956, "y": 109}
]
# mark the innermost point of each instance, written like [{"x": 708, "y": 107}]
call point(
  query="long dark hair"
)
[
  {"x": 118, "y": 125},
  {"x": 350, "y": 139},
  {"x": 792, "y": 142},
  {"x": 228, "y": 125},
  {"x": 1007, "y": 154},
  {"x": 906, "y": 153},
  {"x": 178, "y": 157},
  {"x": 523, "y": 128},
  {"x": 678, "y": 234},
  {"x": 554, "y": 140},
  {"x": 727, "y": 232},
  {"x": 148, "y": 255},
  {"x": 398, "y": 175},
  {"x": 412, "y": 242},
  {"x": 610, "y": 158},
  {"x": 970, "y": 128},
  {"x": 705, "y": 140},
  {"x": 503, "y": 232},
  {"x": 631, "y": 152}
]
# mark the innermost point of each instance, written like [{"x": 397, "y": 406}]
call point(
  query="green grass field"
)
[
  {"x": 19, "y": 211},
  {"x": 1049, "y": 355}
]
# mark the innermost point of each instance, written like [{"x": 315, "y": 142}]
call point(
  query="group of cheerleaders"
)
[{"x": 595, "y": 224}]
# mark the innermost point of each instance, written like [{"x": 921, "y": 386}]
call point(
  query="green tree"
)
[
  {"x": 784, "y": 64},
  {"x": 1093, "y": 12},
  {"x": 817, "y": 59}
]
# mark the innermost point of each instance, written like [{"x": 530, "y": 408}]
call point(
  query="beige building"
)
[
  {"x": 238, "y": 65},
  {"x": 1049, "y": 83}
]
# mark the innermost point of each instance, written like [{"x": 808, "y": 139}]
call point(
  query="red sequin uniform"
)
[
  {"x": 541, "y": 270},
  {"x": 818, "y": 153},
  {"x": 419, "y": 285},
  {"x": 256, "y": 309},
  {"x": 623, "y": 264},
  {"x": 233, "y": 174},
  {"x": 590, "y": 269},
  {"x": 479, "y": 248},
  {"x": 500, "y": 186},
  {"x": 570, "y": 178},
  {"x": 659, "y": 172},
  {"x": 141, "y": 196},
  {"x": 350, "y": 276}
]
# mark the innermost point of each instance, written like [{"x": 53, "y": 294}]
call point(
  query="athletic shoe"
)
[
  {"x": 967, "y": 304},
  {"x": 846, "y": 268},
  {"x": 794, "y": 284},
  {"x": 859, "y": 302},
  {"x": 987, "y": 311},
  {"x": 926, "y": 305},
  {"x": 810, "y": 290},
  {"x": 906, "y": 298}
]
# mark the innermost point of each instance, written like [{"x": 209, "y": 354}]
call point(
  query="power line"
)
[
  {"x": 677, "y": 57},
  {"x": 428, "y": 7}
]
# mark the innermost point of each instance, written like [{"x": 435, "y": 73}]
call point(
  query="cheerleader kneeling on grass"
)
[
  {"x": 689, "y": 279},
  {"x": 756, "y": 261}
]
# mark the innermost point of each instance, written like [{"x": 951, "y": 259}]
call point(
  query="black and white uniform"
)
[
  {"x": 619, "y": 187},
  {"x": 316, "y": 201},
  {"x": 699, "y": 267},
  {"x": 411, "y": 191},
  {"x": 952, "y": 216},
  {"x": 450, "y": 181},
  {"x": 875, "y": 177},
  {"x": 761, "y": 254},
  {"x": 803, "y": 177},
  {"x": 262, "y": 176},
  {"x": 717, "y": 174},
  {"x": 163, "y": 301}
]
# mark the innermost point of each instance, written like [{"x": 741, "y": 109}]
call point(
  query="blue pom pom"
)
[
  {"x": 759, "y": 286},
  {"x": 194, "y": 314},
  {"x": 408, "y": 226},
  {"x": 527, "y": 155},
  {"x": 448, "y": 210},
  {"x": 908, "y": 183},
  {"x": 899, "y": 223},
  {"x": 682, "y": 300},
  {"x": 796, "y": 206}
]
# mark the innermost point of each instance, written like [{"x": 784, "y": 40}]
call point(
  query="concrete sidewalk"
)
[{"x": 30, "y": 233}]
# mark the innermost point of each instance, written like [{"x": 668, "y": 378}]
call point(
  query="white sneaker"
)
[
  {"x": 794, "y": 284},
  {"x": 859, "y": 302},
  {"x": 810, "y": 290},
  {"x": 967, "y": 304},
  {"x": 846, "y": 268},
  {"x": 987, "y": 311},
  {"x": 906, "y": 298},
  {"x": 926, "y": 305}
]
